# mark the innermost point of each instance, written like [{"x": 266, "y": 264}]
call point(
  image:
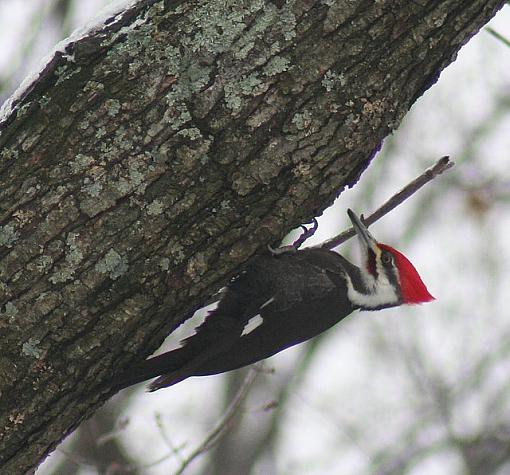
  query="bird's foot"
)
[{"x": 306, "y": 233}]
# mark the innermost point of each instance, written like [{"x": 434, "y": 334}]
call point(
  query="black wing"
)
[
  {"x": 296, "y": 296},
  {"x": 292, "y": 318}
]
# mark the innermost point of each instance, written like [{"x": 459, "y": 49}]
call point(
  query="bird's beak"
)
[{"x": 366, "y": 240}]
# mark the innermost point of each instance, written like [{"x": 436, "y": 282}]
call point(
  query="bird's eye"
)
[{"x": 386, "y": 258}]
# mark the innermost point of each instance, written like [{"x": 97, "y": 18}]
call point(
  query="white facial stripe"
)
[
  {"x": 253, "y": 323},
  {"x": 382, "y": 293}
]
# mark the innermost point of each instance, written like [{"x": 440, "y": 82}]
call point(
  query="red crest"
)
[{"x": 412, "y": 287}]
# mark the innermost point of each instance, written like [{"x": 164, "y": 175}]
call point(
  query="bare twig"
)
[
  {"x": 175, "y": 450},
  {"x": 498, "y": 36},
  {"x": 223, "y": 424},
  {"x": 441, "y": 165},
  {"x": 214, "y": 435}
]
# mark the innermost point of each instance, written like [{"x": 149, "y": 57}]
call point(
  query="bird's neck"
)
[{"x": 368, "y": 293}]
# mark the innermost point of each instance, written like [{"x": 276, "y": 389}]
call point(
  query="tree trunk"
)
[{"x": 154, "y": 156}]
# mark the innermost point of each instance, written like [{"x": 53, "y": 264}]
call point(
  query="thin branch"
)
[
  {"x": 223, "y": 424},
  {"x": 498, "y": 36},
  {"x": 428, "y": 175},
  {"x": 175, "y": 450}
]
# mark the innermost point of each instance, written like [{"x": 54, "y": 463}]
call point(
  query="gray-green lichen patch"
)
[
  {"x": 10, "y": 310},
  {"x": 331, "y": 80},
  {"x": 259, "y": 29},
  {"x": 30, "y": 348},
  {"x": 192, "y": 133},
  {"x": 84, "y": 124},
  {"x": 42, "y": 263},
  {"x": 63, "y": 274},
  {"x": 93, "y": 86},
  {"x": 92, "y": 188},
  {"x": 250, "y": 85},
  {"x": 4, "y": 288},
  {"x": 177, "y": 114},
  {"x": 73, "y": 257},
  {"x": 100, "y": 132},
  {"x": 64, "y": 72},
  {"x": 164, "y": 263},
  {"x": 155, "y": 208},
  {"x": 112, "y": 106},
  {"x": 112, "y": 264},
  {"x": 24, "y": 109},
  {"x": 302, "y": 120},
  {"x": 80, "y": 163},
  {"x": 276, "y": 65},
  {"x": 236, "y": 27},
  {"x": 218, "y": 23},
  {"x": 287, "y": 24},
  {"x": 8, "y": 235},
  {"x": 103, "y": 189}
]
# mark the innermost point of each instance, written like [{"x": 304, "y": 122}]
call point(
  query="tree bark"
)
[{"x": 154, "y": 156}]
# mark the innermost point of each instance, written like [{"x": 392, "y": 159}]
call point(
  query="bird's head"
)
[{"x": 388, "y": 277}]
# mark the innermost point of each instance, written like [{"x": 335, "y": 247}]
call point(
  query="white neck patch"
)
[{"x": 381, "y": 292}]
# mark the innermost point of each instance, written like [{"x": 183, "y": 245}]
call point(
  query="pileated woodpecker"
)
[{"x": 284, "y": 299}]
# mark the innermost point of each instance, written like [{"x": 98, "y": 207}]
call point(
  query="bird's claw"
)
[{"x": 306, "y": 233}]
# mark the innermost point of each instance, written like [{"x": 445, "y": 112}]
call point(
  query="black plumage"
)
[
  {"x": 298, "y": 295},
  {"x": 292, "y": 296}
]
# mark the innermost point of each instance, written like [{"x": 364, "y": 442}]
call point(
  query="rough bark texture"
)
[{"x": 152, "y": 158}]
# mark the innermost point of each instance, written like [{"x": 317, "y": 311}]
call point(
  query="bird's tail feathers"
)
[{"x": 166, "y": 364}]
